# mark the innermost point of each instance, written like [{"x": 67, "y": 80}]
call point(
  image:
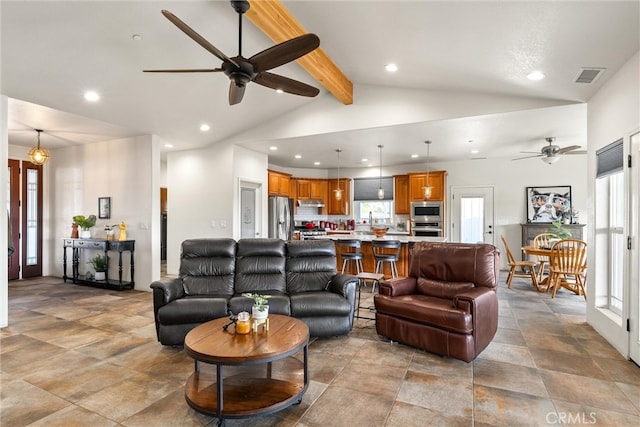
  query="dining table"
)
[{"x": 543, "y": 284}]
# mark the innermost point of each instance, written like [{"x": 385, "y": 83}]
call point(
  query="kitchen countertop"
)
[
  {"x": 370, "y": 237},
  {"x": 366, "y": 233}
]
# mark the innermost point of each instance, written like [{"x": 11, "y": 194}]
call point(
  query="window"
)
[
  {"x": 610, "y": 217},
  {"x": 365, "y": 200},
  {"x": 381, "y": 211}
]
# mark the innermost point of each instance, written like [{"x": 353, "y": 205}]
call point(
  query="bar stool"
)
[
  {"x": 363, "y": 278},
  {"x": 350, "y": 252},
  {"x": 386, "y": 251}
]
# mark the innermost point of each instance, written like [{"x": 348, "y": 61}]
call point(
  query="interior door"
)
[
  {"x": 472, "y": 215},
  {"x": 31, "y": 220},
  {"x": 634, "y": 252},
  {"x": 13, "y": 208},
  {"x": 250, "y": 208}
]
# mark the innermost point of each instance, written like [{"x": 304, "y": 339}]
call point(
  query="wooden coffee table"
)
[{"x": 248, "y": 392}]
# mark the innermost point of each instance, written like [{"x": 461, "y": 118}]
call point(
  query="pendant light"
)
[
  {"x": 380, "y": 189},
  {"x": 427, "y": 189},
  {"x": 338, "y": 191},
  {"x": 38, "y": 155}
]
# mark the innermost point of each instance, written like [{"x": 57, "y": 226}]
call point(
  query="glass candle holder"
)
[{"x": 243, "y": 325}]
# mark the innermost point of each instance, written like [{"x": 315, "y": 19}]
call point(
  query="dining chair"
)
[
  {"x": 545, "y": 241},
  {"x": 568, "y": 260},
  {"x": 519, "y": 268}
]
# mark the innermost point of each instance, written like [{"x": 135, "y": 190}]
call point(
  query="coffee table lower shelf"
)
[{"x": 242, "y": 397}]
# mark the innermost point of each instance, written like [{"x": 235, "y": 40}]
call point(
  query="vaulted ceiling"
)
[{"x": 53, "y": 51}]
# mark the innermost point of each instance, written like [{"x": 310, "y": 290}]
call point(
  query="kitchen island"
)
[{"x": 368, "y": 262}]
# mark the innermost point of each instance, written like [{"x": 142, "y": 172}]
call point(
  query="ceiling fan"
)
[
  {"x": 551, "y": 153},
  {"x": 241, "y": 70}
]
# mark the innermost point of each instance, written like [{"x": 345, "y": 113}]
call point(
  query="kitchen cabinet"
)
[
  {"x": 311, "y": 189},
  {"x": 278, "y": 183},
  {"x": 343, "y": 206},
  {"x": 401, "y": 194},
  {"x": 419, "y": 180}
]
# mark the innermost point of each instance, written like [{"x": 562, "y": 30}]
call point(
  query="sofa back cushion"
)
[
  {"x": 456, "y": 262},
  {"x": 260, "y": 266},
  {"x": 311, "y": 264},
  {"x": 440, "y": 289},
  {"x": 207, "y": 266}
]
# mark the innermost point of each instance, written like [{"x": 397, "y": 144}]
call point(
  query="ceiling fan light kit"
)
[
  {"x": 241, "y": 70},
  {"x": 38, "y": 155}
]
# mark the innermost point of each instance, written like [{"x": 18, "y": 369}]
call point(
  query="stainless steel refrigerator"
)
[{"x": 281, "y": 224}]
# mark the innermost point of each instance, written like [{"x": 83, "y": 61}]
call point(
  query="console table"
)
[{"x": 77, "y": 245}]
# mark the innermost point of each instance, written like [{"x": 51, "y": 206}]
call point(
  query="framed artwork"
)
[
  {"x": 104, "y": 207},
  {"x": 548, "y": 204}
]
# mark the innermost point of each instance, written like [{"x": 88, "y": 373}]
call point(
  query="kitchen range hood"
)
[{"x": 311, "y": 203}]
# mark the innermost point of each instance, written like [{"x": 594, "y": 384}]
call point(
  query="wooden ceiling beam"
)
[{"x": 273, "y": 19}]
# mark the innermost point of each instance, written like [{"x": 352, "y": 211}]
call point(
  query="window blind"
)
[
  {"x": 610, "y": 159},
  {"x": 367, "y": 188}
]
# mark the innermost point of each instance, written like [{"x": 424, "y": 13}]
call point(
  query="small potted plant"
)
[
  {"x": 559, "y": 231},
  {"x": 99, "y": 263},
  {"x": 85, "y": 224},
  {"x": 110, "y": 230},
  {"x": 260, "y": 309}
]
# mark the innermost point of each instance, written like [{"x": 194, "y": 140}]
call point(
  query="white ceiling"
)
[{"x": 53, "y": 51}]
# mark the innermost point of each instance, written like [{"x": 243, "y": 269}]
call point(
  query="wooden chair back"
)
[
  {"x": 569, "y": 256},
  {"x": 510, "y": 259}
]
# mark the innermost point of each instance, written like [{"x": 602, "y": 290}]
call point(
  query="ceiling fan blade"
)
[
  {"x": 529, "y": 157},
  {"x": 284, "y": 52},
  {"x": 577, "y": 152},
  {"x": 530, "y": 152},
  {"x": 567, "y": 149},
  {"x": 193, "y": 70},
  {"x": 236, "y": 93},
  {"x": 276, "y": 81},
  {"x": 196, "y": 37}
]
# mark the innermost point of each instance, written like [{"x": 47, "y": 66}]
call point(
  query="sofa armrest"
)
[
  {"x": 168, "y": 290},
  {"x": 398, "y": 286},
  {"x": 482, "y": 303},
  {"x": 341, "y": 284}
]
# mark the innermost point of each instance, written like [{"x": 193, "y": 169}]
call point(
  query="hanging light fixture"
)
[
  {"x": 380, "y": 189},
  {"x": 338, "y": 191},
  {"x": 38, "y": 155},
  {"x": 427, "y": 189}
]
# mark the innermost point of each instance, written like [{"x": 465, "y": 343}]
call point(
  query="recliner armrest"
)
[
  {"x": 398, "y": 286},
  {"x": 340, "y": 284},
  {"x": 170, "y": 289},
  {"x": 482, "y": 304},
  {"x": 476, "y": 297}
]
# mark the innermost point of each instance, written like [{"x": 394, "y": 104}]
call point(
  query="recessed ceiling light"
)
[
  {"x": 365, "y": 160},
  {"x": 279, "y": 91},
  {"x": 168, "y": 145},
  {"x": 392, "y": 68},
  {"x": 414, "y": 156},
  {"x": 316, "y": 163},
  {"x": 136, "y": 37},
  {"x": 536, "y": 75},
  {"x": 204, "y": 127},
  {"x": 475, "y": 151},
  {"x": 91, "y": 96},
  {"x": 298, "y": 156},
  {"x": 273, "y": 148}
]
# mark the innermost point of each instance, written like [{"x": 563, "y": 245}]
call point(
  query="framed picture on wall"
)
[
  {"x": 548, "y": 204},
  {"x": 104, "y": 207}
]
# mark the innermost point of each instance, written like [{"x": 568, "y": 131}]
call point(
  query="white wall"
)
[
  {"x": 128, "y": 171},
  {"x": 613, "y": 113}
]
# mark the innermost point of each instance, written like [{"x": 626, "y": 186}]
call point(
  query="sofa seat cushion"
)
[
  {"x": 322, "y": 303},
  {"x": 432, "y": 311},
  {"x": 278, "y": 304},
  {"x": 192, "y": 309}
]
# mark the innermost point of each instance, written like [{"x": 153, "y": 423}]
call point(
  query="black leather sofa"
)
[{"x": 300, "y": 276}]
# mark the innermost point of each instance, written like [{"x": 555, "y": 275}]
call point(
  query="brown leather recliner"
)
[{"x": 448, "y": 304}]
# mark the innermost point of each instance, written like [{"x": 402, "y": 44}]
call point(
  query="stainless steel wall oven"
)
[{"x": 427, "y": 219}]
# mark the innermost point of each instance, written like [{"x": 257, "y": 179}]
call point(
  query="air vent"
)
[{"x": 589, "y": 75}]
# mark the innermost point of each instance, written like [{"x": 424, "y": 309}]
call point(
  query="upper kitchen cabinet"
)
[
  {"x": 342, "y": 206},
  {"x": 279, "y": 183},
  {"x": 401, "y": 194},
  {"x": 311, "y": 189},
  {"x": 417, "y": 181}
]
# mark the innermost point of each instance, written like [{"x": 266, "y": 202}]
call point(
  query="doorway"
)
[
  {"x": 250, "y": 202},
  {"x": 472, "y": 215},
  {"x": 634, "y": 255}
]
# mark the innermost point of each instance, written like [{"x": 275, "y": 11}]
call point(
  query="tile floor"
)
[{"x": 79, "y": 356}]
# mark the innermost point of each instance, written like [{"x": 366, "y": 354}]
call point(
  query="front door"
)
[
  {"x": 31, "y": 220},
  {"x": 472, "y": 215},
  {"x": 13, "y": 209}
]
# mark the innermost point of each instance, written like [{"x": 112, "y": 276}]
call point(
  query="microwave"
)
[{"x": 426, "y": 212}]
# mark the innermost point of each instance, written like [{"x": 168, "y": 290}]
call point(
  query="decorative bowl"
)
[{"x": 379, "y": 232}]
